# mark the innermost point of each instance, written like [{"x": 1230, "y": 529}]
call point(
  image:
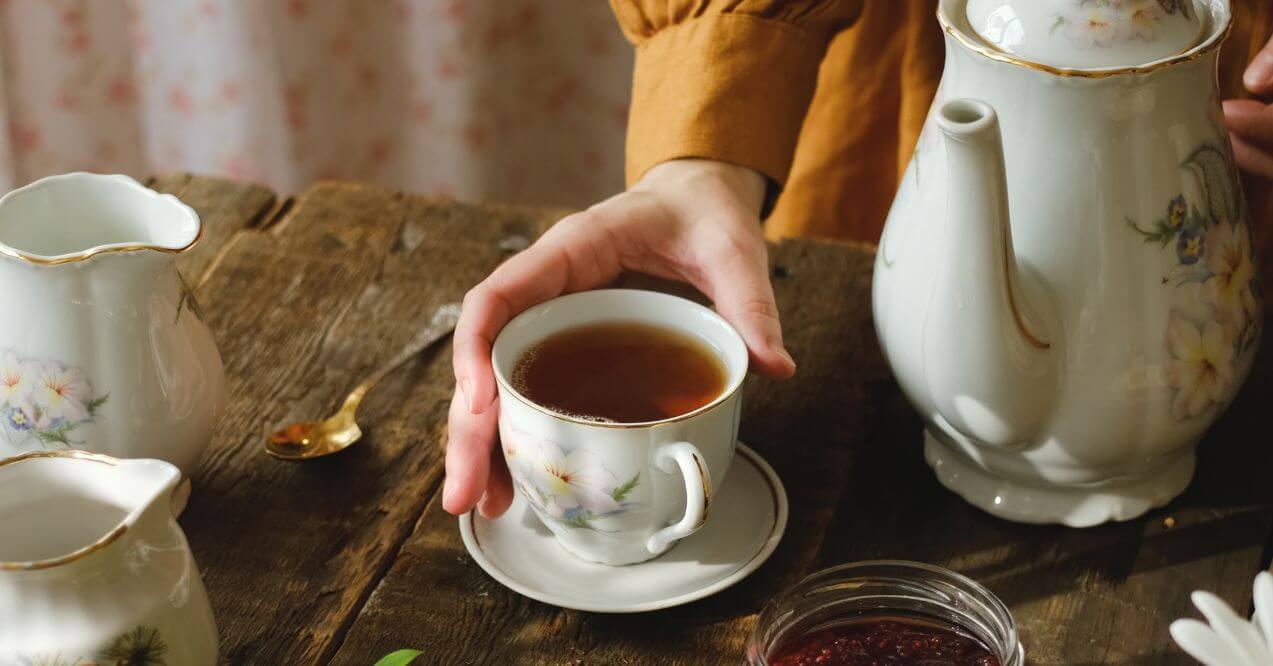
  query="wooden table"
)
[{"x": 346, "y": 559}]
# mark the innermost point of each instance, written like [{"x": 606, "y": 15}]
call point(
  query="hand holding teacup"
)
[{"x": 692, "y": 220}]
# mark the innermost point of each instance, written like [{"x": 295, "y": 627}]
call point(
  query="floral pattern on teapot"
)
[
  {"x": 1212, "y": 254},
  {"x": 142, "y": 646},
  {"x": 572, "y": 488},
  {"x": 1104, "y": 23},
  {"x": 44, "y": 401}
]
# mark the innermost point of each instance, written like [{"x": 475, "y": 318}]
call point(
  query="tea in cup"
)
[{"x": 618, "y": 410}]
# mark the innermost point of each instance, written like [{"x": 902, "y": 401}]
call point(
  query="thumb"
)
[{"x": 737, "y": 280}]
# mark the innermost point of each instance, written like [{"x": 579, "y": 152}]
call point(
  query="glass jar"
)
[{"x": 886, "y": 588}]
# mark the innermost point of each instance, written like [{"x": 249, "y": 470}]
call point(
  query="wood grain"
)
[
  {"x": 289, "y": 552},
  {"x": 349, "y": 558},
  {"x": 225, "y": 207}
]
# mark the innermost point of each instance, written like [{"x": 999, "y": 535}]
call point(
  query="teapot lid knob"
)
[{"x": 1089, "y": 34}]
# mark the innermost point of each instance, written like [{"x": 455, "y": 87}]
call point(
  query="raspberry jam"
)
[
  {"x": 885, "y": 613},
  {"x": 885, "y": 641}
]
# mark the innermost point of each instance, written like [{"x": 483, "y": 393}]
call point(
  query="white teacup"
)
[{"x": 619, "y": 493}]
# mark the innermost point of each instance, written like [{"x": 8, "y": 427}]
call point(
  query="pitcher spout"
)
[
  {"x": 77, "y": 216},
  {"x": 63, "y": 506},
  {"x": 989, "y": 356}
]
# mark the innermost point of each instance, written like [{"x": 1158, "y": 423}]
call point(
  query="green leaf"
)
[
  {"x": 581, "y": 521},
  {"x": 1212, "y": 168},
  {"x": 54, "y": 436},
  {"x": 623, "y": 490},
  {"x": 1161, "y": 233},
  {"x": 399, "y": 658},
  {"x": 1060, "y": 21},
  {"x": 96, "y": 404}
]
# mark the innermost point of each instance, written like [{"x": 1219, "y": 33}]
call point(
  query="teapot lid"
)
[{"x": 1088, "y": 34}]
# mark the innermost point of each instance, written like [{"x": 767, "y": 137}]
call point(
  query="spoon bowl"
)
[{"x": 315, "y": 439}]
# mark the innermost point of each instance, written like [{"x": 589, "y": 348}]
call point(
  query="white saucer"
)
[{"x": 749, "y": 514}]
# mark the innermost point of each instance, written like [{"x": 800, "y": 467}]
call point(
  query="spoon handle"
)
[{"x": 442, "y": 324}]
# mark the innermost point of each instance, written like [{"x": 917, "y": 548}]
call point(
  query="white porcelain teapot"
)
[
  {"x": 93, "y": 567},
  {"x": 101, "y": 343},
  {"x": 1070, "y": 306}
]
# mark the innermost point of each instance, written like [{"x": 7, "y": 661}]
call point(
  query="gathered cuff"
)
[{"x": 730, "y": 87}]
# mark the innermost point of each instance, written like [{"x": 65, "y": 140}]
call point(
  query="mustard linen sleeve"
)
[{"x": 728, "y": 80}]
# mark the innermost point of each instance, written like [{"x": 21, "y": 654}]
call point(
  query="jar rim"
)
[{"x": 955, "y": 599}]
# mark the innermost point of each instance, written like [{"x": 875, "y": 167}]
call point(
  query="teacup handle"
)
[{"x": 698, "y": 490}]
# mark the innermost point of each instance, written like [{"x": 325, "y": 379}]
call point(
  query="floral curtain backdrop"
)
[{"x": 511, "y": 100}]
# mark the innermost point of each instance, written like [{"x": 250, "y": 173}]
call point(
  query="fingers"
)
[
  {"x": 1251, "y": 129},
  {"x": 499, "y": 487},
  {"x": 470, "y": 441},
  {"x": 736, "y": 277},
  {"x": 1259, "y": 74},
  {"x": 574, "y": 255},
  {"x": 1251, "y": 120},
  {"x": 1251, "y": 158}
]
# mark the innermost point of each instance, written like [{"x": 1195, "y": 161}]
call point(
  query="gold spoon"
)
[{"x": 314, "y": 439}]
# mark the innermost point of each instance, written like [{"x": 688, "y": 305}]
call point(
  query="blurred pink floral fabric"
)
[{"x": 511, "y": 100}]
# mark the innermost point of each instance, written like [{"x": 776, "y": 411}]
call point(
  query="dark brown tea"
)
[{"x": 621, "y": 372}]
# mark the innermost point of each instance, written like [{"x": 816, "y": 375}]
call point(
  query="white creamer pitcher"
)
[
  {"x": 101, "y": 343},
  {"x": 93, "y": 567}
]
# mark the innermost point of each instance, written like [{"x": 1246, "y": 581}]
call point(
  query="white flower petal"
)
[
  {"x": 585, "y": 469},
  {"x": 1263, "y": 594},
  {"x": 1201, "y": 643},
  {"x": 1184, "y": 339},
  {"x": 1200, "y": 397},
  {"x": 554, "y": 509},
  {"x": 1182, "y": 374},
  {"x": 1180, "y": 403},
  {"x": 550, "y": 455},
  {"x": 1232, "y": 629},
  {"x": 1219, "y": 240},
  {"x": 75, "y": 384},
  {"x": 563, "y": 501},
  {"x": 596, "y": 501},
  {"x": 11, "y": 364},
  {"x": 73, "y": 410}
]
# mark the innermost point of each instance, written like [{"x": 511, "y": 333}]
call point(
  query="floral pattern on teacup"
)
[
  {"x": 1105, "y": 23},
  {"x": 1212, "y": 255},
  {"x": 572, "y": 488},
  {"x": 43, "y": 401},
  {"x": 142, "y": 646}
]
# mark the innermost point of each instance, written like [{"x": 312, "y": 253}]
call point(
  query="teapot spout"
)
[{"x": 990, "y": 361}]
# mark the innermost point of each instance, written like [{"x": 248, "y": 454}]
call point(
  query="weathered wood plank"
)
[
  {"x": 289, "y": 552},
  {"x": 226, "y": 207}
]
